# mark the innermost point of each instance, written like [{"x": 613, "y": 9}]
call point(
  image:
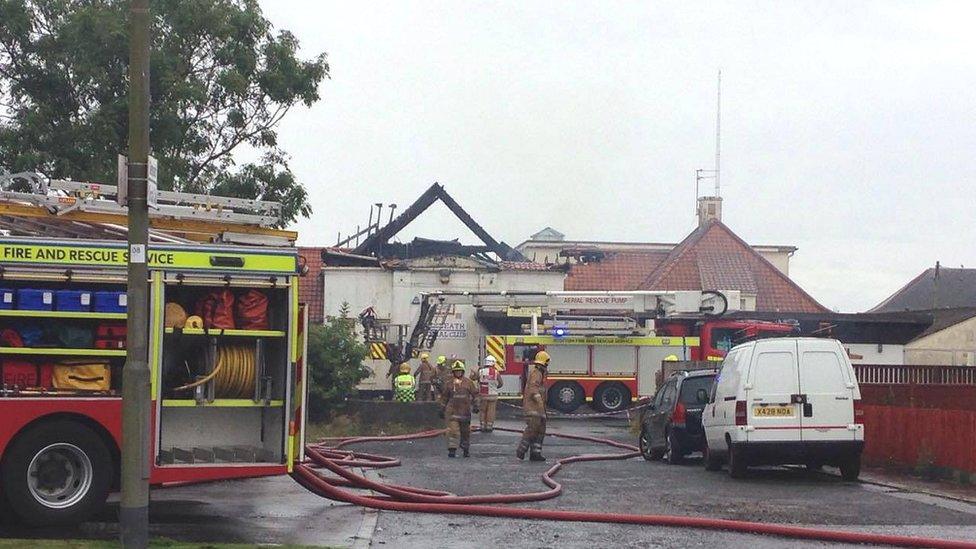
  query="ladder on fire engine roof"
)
[{"x": 34, "y": 205}]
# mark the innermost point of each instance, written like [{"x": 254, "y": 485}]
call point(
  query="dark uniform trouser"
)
[
  {"x": 458, "y": 430},
  {"x": 535, "y": 431},
  {"x": 423, "y": 392}
]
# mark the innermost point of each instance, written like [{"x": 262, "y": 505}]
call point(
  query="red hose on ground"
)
[{"x": 418, "y": 500}]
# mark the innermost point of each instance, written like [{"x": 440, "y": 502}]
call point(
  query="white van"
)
[{"x": 785, "y": 400}]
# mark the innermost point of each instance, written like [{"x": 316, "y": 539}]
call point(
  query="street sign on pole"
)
[
  {"x": 122, "y": 182},
  {"x": 152, "y": 190}
]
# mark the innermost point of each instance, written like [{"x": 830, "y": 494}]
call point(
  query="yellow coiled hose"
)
[{"x": 233, "y": 373}]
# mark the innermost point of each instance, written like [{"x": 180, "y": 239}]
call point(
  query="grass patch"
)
[
  {"x": 156, "y": 543},
  {"x": 351, "y": 425}
]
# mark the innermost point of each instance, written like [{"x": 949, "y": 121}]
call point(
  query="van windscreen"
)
[{"x": 690, "y": 386}]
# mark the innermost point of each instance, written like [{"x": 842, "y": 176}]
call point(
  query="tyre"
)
[
  {"x": 711, "y": 461},
  {"x": 647, "y": 452},
  {"x": 611, "y": 397},
  {"x": 850, "y": 468},
  {"x": 672, "y": 450},
  {"x": 566, "y": 396},
  {"x": 57, "y": 473},
  {"x": 737, "y": 463}
]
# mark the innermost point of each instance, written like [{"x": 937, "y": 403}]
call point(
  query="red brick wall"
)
[{"x": 310, "y": 286}]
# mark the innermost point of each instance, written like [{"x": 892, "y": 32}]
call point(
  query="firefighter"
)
[
  {"x": 534, "y": 408},
  {"x": 442, "y": 374},
  {"x": 489, "y": 381},
  {"x": 458, "y": 398},
  {"x": 425, "y": 375},
  {"x": 391, "y": 373},
  {"x": 405, "y": 390}
]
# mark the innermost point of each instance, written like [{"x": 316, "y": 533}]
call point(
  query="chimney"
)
[{"x": 709, "y": 208}]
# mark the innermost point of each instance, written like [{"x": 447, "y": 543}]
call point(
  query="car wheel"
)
[
  {"x": 647, "y": 452},
  {"x": 672, "y": 450},
  {"x": 566, "y": 396},
  {"x": 850, "y": 468},
  {"x": 58, "y": 472},
  {"x": 611, "y": 397},
  {"x": 711, "y": 461},
  {"x": 737, "y": 463}
]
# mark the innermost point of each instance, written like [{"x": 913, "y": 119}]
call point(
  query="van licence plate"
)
[{"x": 773, "y": 411}]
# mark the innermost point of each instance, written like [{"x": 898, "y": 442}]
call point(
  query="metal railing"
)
[{"x": 876, "y": 374}]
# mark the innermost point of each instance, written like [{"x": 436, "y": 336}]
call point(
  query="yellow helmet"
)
[
  {"x": 424, "y": 356},
  {"x": 441, "y": 359},
  {"x": 671, "y": 358},
  {"x": 458, "y": 365},
  {"x": 542, "y": 358},
  {"x": 405, "y": 368}
]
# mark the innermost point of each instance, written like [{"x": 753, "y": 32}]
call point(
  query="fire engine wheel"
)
[
  {"x": 611, "y": 397},
  {"x": 566, "y": 396},
  {"x": 58, "y": 472}
]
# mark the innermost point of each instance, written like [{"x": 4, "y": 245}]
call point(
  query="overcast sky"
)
[{"x": 848, "y": 128}]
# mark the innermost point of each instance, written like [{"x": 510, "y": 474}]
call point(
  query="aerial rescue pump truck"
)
[
  {"x": 226, "y": 349},
  {"x": 606, "y": 347}
]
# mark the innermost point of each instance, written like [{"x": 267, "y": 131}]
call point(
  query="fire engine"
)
[
  {"x": 607, "y": 360},
  {"x": 226, "y": 346}
]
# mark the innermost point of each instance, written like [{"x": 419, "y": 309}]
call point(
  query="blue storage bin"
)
[
  {"x": 32, "y": 299},
  {"x": 73, "y": 300},
  {"x": 110, "y": 302},
  {"x": 6, "y": 298}
]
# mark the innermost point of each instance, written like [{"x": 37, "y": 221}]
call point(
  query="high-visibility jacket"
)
[
  {"x": 489, "y": 380},
  {"x": 404, "y": 388}
]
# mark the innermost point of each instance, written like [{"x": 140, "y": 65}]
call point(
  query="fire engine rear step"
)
[{"x": 216, "y": 454}]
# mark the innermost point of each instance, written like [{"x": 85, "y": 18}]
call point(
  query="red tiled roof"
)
[
  {"x": 310, "y": 286},
  {"x": 616, "y": 271},
  {"x": 713, "y": 257}
]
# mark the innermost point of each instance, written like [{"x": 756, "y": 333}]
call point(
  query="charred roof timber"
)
[{"x": 378, "y": 242}]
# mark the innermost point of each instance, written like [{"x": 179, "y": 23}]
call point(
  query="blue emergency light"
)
[{"x": 559, "y": 332}]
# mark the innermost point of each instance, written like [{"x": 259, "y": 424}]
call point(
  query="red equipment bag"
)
[
  {"x": 252, "y": 311},
  {"x": 216, "y": 308},
  {"x": 110, "y": 330},
  {"x": 24, "y": 374},
  {"x": 10, "y": 338}
]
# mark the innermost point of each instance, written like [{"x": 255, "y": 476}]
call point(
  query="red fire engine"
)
[
  {"x": 226, "y": 347},
  {"x": 611, "y": 371},
  {"x": 606, "y": 347}
]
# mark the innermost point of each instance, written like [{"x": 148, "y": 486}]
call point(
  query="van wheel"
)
[
  {"x": 711, "y": 461},
  {"x": 611, "y": 397},
  {"x": 566, "y": 396},
  {"x": 737, "y": 465},
  {"x": 647, "y": 452},
  {"x": 850, "y": 468},
  {"x": 58, "y": 472},
  {"x": 672, "y": 451}
]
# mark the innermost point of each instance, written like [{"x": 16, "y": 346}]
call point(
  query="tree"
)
[
  {"x": 221, "y": 79},
  {"x": 335, "y": 361}
]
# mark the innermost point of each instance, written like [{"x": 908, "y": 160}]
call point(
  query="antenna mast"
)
[{"x": 718, "y": 136}]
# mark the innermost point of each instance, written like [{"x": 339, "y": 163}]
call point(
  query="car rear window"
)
[{"x": 689, "y": 388}]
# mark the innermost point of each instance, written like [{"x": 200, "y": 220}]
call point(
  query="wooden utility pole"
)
[{"x": 134, "y": 508}]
